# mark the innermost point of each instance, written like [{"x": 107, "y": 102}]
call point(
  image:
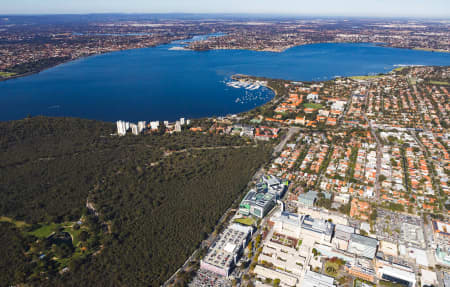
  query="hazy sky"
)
[{"x": 426, "y": 8}]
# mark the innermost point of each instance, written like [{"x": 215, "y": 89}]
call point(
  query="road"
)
[
  {"x": 430, "y": 164},
  {"x": 280, "y": 146},
  {"x": 379, "y": 155}
]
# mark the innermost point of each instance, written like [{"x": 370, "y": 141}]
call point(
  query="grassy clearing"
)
[
  {"x": 439, "y": 83},
  {"x": 399, "y": 69},
  {"x": 6, "y": 74},
  {"x": 331, "y": 269},
  {"x": 312, "y": 106},
  {"x": 365, "y": 77},
  {"x": 17, "y": 223},
  {"x": 45, "y": 230},
  {"x": 245, "y": 221}
]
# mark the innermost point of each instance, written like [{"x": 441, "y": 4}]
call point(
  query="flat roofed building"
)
[
  {"x": 224, "y": 253},
  {"x": 446, "y": 279},
  {"x": 260, "y": 200},
  {"x": 308, "y": 199},
  {"x": 362, "y": 268},
  {"x": 363, "y": 246},
  {"x": 389, "y": 248},
  {"x": 257, "y": 203},
  {"x": 284, "y": 257},
  {"x": 122, "y": 128},
  {"x": 441, "y": 230},
  {"x": 134, "y": 129},
  {"x": 313, "y": 279},
  {"x": 274, "y": 185},
  {"x": 319, "y": 229},
  {"x": 141, "y": 126},
  {"x": 286, "y": 279},
  {"x": 287, "y": 223},
  {"x": 342, "y": 235},
  {"x": 397, "y": 275},
  {"x": 428, "y": 278}
]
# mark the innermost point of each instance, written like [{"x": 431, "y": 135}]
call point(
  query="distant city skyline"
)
[{"x": 371, "y": 8}]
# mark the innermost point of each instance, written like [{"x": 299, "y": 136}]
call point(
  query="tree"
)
[{"x": 84, "y": 235}]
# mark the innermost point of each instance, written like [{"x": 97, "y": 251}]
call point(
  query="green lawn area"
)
[
  {"x": 440, "y": 83},
  {"x": 399, "y": 69},
  {"x": 15, "y": 222},
  {"x": 6, "y": 74},
  {"x": 45, "y": 230},
  {"x": 331, "y": 269},
  {"x": 312, "y": 106},
  {"x": 365, "y": 77},
  {"x": 246, "y": 221}
]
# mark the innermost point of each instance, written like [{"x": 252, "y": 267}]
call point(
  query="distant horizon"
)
[
  {"x": 229, "y": 14},
  {"x": 328, "y": 8}
]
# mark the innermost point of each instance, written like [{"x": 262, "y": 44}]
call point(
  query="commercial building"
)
[
  {"x": 177, "y": 126},
  {"x": 363, "y": 246},
  {"x": 122, "y": 128},
  {"x": 283, "y": 257},
  {"x": 286, "y": 279},
  {"x": 257, "y": 203},
  {"x": 223, "y": 255},
  {"x": 260, "y": 200},
  {"x": 134, "y": 129},
  {"x": 141, "y": 126},
  {"x": 396, "y": 274},
  {"x": 342, "y": 235},
  {"x": 288, "y": 224},
  {"x": 154, "y": 125},
  {"x": 361, "y": 268},
  {"x": 313, "y": 279},
  {"x": 446, "y": 279},
  {"x": 441, "y": 231},
  {"x": 318, "y": 229},
  {"x": 428, "y": 278},
  {"x": 307, "y": 199},
  {"x": 274, "y": 185}
]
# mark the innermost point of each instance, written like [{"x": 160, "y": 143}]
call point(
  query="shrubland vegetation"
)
[{"x": 156, "y": 196}]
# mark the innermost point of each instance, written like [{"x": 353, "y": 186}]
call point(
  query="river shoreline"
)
[{"x": 187, "y": 48}]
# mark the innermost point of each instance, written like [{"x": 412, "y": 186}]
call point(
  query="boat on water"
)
[{"x": 244, "y": 84}]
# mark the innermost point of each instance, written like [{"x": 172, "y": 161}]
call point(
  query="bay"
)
[{"x": 164, "y": 84}]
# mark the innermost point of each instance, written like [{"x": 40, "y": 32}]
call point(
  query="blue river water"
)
[{"x": 163, "y": 84}]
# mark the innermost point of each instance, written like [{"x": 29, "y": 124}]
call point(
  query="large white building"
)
[
  {"x": 284, "y": 257},
  {"x": 154, "y": 125},
  {"x": 177, "y": 126},
  {"x": 318, "y": 229},
  {"x": 288, "y": 224},
  {"x": 223, "y": 255},
  {"x": 286, "y": 279},
  {"x": 122, "y": 128},
  {"x": 313, "y": 279},
  {"x": 141, "y": 126},
  {"x": 363, "y": 246},
  {"x": 298, "y": 226},
  {"x": 260, "y": 200},
  {"x": 396, "y": 273},
  {"x": 134, "y": 129}
]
